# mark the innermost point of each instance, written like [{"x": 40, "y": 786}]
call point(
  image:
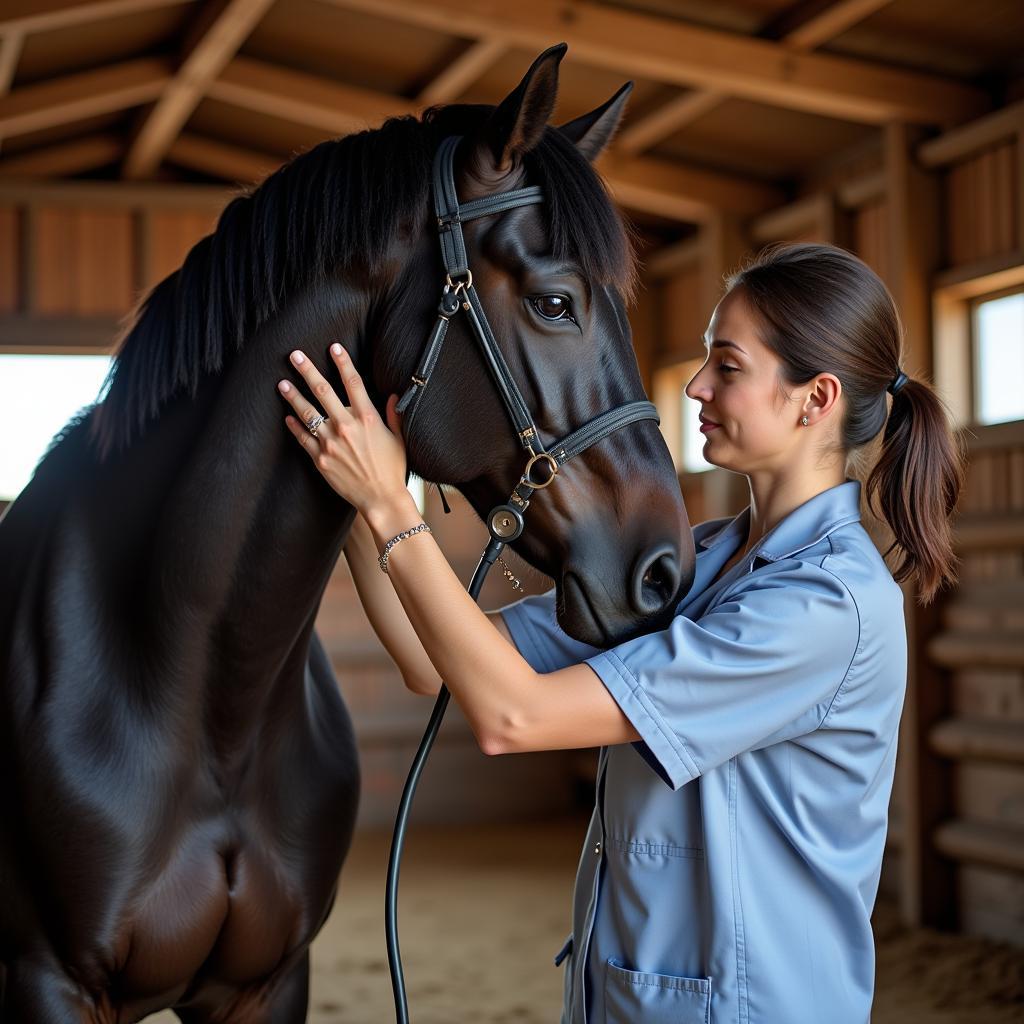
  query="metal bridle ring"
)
[
  {"x": 468, "y": 283},
  {"x": 545, "y": 483}
]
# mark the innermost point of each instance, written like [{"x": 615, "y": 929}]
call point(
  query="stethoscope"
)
[{"x": 505, "y": 522}]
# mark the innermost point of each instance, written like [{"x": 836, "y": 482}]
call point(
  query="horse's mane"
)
[{"x": 342, "y": 205}]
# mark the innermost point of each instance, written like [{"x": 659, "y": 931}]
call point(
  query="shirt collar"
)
[{"x": 805, "y": 526}]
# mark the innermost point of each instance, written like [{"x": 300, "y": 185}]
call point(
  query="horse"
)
[{"x": 180, "y": 772}]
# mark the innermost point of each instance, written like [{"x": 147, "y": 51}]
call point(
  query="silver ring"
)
[{"x": 315, "y": 423}]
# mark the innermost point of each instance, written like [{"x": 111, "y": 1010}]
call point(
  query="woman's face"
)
[{"x": 755, "y": 425}]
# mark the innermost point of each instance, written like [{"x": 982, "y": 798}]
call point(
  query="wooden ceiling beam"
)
[
  {"x": 233, "y": 163},
  {"x": 215, "y": 40},
  {"x": 812, "y": 23},
  {"x": 29, "y": 16},
  {"x": 683, "y": 193},
  {"x": 653, "y": 186},
  {"x": 458, "y": 76},
  {"x": 804, "y": 27},
  {"x": 661, "y": 49},
  {"x": 64, "y": 159},
  {"x": 10, "y": 52},
  {"x": 676, "y": 113},
  {"x": 331, "y": 107},
  {"x": 84, "y": 94}
]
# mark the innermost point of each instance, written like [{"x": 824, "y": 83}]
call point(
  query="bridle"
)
[
  {"x": 459, "y": 295},
  {"x": 505, "y": 522}
]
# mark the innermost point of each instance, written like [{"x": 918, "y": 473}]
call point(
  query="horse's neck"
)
[{"x": 250, "y": 530}]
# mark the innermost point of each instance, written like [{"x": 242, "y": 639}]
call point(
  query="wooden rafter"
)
[
  {"x": 653, "y": 186},
  {"x": 652, "y": 47},
  {"x": 458, "y": 76},
  {"x": 234, "y": 163},
  {"x": 84, "y": 94},
  {"x": 215, "y": 40},
  {"x": 65, "y": 159},
  {"x": 812, "y": 23},
  {"x": 804, "y": 27},
  {"x": 29, "y": 16},
  {"x": 329, "y": 106},
  {"x": 10, "y": 51},
  {"x": 683, "y": 193},
  {"x": 676, "y": 113}
]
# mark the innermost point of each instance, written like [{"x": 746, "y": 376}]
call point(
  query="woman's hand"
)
[{"x": 359, "y": 455}]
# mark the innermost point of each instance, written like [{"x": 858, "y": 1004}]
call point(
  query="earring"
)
[{"x": 803, "y": 421}]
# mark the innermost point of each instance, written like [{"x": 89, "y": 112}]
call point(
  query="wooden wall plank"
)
[
  {"x": 10, "y": 262},
  {"x": 171, "y": 234},
  {"x": 83, "y": 262}
]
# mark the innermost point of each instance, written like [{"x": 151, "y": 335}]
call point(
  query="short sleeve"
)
[
  {"x": 760, "y": 667},
  {"x": 538, "y": 637}
]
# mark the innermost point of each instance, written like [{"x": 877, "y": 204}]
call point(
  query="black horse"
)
[{"x": 179, "y": 772}]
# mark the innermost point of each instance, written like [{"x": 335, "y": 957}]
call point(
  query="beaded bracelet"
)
[{"x": 383, "y": 559}]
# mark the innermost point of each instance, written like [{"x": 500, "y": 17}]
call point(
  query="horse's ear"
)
[
  {"x": 592, "y": 132},
  {"x": 518, "y": 122}
]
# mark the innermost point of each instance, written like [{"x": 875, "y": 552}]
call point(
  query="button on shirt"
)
[{"x": 732, "y": 860}]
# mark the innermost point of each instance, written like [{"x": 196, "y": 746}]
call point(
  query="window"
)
[
  {"x": 999, "y": 359},
  {"x": 680, "y": 416},
  {"x": 38, "y": 395}
]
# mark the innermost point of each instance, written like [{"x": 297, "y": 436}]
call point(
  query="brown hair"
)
[{"x": 822, "y": 310}]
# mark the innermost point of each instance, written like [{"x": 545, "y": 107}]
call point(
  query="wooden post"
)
[
  {"x": 725, "y": 243},
  {"x": 927, "y": 893}
]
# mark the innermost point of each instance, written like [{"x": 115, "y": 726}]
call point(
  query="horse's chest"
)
[{"x": 231, "y": 917}]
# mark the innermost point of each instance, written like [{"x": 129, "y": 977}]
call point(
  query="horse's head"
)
[{"x": 611, "y": 530}]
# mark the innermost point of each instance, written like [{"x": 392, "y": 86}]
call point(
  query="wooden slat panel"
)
[
  {"x": 995, "y": 845},
  {"x": 978, "y": 739},
  {"x": 980, "y": 204},
  {"x": 988, "y": 532},
  {"x": 991, "y": 903},
  {"x": 1003, "y": 198},
  {"x": 172, "y": 234},
  {"x": 682, "y": 315},
  {"x": 84, "y": 261},
  {"x": 955, "y": 650},
  {"x": 996, "y": 693},
  {"x": 990, "y": 794},
  {"x": 870, "y": 232},
  {"x": 10, "y": 261}
]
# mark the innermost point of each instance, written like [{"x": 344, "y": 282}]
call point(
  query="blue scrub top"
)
[{"x": 733, "y": 856}]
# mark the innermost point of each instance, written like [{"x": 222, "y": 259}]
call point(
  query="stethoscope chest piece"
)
[{"x": 506, "y": 523}]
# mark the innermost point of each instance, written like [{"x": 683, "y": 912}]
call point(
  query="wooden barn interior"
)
[{"x": 893, "y": 128}]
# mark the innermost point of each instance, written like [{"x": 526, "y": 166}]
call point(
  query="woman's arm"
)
[{"x": 387, "y": 616}]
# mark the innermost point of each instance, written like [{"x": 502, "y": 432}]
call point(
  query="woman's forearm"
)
[
  {"x": 386, "y": 614},
  {"x": 486, "y": 674}
]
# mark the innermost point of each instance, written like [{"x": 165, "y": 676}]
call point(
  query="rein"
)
[{"x": 505, "y": 522}]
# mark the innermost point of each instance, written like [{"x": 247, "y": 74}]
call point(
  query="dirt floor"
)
[{"x": 483, "y": 910}]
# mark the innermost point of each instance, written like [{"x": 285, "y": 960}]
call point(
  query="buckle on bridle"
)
[
  {"x": 540, "y": 485},
  {"x": 461, "y": 284}
]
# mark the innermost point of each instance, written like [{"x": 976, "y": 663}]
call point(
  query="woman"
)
[{"x": 747, "y": 758}]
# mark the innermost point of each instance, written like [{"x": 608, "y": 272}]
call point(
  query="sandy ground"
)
[{"x": 483, "y": 910}]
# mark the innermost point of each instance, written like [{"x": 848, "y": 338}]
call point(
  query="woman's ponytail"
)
[{"x": 915, "y": 485}]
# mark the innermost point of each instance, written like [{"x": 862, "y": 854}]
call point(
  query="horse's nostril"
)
[{"x": 656, "y": 581}]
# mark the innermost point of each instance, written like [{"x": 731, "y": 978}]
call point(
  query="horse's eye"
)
[{"x": 552, "y": 307}]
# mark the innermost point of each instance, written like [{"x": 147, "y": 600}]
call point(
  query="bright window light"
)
[
  {"x": 693, "y": 439},
  {"x": 38, "y": 395},
  {"x": 999, "y": 359}
]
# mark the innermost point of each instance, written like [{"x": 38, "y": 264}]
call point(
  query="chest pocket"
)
[{"x": 631, "y": 996}]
